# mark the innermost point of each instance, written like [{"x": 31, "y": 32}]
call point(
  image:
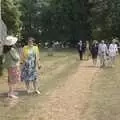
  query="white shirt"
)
[
  {"x": 113, "y": 49},
  {"x": 80, "y": 46},
  {"x": 102, "y": 49}
]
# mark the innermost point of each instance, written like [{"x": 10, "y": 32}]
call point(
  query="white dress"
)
[{"x": 113, "y": 49}]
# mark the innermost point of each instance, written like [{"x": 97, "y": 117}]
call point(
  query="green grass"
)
[
  {"x": 105, "y": 97},
  {"x": 54, "y": 71}
]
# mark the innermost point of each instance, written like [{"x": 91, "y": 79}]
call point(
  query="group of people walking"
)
[
  {"x": 105, "y": 52},
  {"x": 21, "y": 67},
  {"x": 24, "y": 65}
]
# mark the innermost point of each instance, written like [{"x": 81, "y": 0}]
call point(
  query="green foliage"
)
[
  {"x": 56, "y": 20},
  {"x": 105, "y": 16},
  {"x": 63, "y": 20},
  {"x": 115, "y": 15},
  {"x": 11, "y": 15},
  {"x": 31, "y": 10}
]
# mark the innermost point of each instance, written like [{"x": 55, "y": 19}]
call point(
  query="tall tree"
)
[
  {"x": 11, "y": 15},
  {"x": 31, "y": 13},
  {"x": 115, "y": 16},
  {"x": 66, "y": 20},
  {"x": 101, "y": 27},
  {"x": 105, "y": 16}
]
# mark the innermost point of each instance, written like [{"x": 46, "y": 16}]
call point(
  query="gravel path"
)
[{"x": 70, "y": 101}]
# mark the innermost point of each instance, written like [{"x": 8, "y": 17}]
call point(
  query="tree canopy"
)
[
  {"x": 11, "y": 15},
  {"x": 63, "y": 20}
]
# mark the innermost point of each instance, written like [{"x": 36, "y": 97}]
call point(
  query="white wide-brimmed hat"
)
[{"x": 10, "y": 40}]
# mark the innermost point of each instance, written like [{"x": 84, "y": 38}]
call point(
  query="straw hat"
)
[{"x": 10, "y": 40}]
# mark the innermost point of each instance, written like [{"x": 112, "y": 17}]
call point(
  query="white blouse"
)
[
  {"x": 113, "y": 49},
  {"x": 102, "y": 49}
]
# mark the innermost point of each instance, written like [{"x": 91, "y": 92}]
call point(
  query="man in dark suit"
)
[{"x": 81, "y": 49}]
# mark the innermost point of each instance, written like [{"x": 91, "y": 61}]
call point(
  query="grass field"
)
[
  {"x": 54, "y": 71},
  {"x": 105, "y": 98}
]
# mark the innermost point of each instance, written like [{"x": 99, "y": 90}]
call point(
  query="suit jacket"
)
[{"x": 81, "y": 47}]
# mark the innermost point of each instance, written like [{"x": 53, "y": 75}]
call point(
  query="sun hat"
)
[{"x": 10, "y": 40}]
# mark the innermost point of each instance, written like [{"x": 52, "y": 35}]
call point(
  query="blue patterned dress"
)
[{"x": 29, "y": 72}]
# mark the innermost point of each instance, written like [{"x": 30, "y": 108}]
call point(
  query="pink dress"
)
[{"x": 13, "y": 75}]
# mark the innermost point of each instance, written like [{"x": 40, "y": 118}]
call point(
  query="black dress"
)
[{"x": 94, "y": 51}]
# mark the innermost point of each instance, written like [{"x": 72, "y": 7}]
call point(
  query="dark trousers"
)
[{"x": 81, "y": 55}]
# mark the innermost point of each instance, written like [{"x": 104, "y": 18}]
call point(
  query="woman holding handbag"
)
[{"x": 12, "y": 64}]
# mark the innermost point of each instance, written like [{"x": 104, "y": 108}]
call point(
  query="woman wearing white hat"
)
[{"x": 11, "y": 62}]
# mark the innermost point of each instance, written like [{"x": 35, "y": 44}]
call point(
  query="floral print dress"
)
[{"x": 29, "y": 71}]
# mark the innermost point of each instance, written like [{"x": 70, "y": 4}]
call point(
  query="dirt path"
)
[{"x": 70, "y": 100}]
